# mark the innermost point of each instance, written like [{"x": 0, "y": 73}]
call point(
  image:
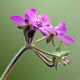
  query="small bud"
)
[
  {"x": 49, "y": 38},
  {"x": 21, "y": 27},
  {"x": 65, "y": 61}
]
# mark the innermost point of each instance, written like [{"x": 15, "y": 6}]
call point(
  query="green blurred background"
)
[{"x": 30, "y": 67}]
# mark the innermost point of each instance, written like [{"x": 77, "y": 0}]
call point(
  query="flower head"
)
[
  {"x": 35, "y": 22},
  {"x": 61, "y": 33},
  {"x": 24, "y": 24},
  {"x": 41, "y": 22}
]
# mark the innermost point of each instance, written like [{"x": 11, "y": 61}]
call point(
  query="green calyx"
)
[{"x": 63, "y": 53}]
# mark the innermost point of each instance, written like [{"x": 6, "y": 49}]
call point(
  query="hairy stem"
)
[
  {"x": 59, "y": 47},
  {"x": 42, "y": 54},
  {"x": 53, "y": 42},
  {"x": 13, "y": 62},
  {"x": 43, "y": 59},
  {"x": 45, "y": 52},
  {"x": 39, "y": 40}
]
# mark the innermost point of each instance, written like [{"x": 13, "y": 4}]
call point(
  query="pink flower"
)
[
  {"x": 40, "y": 22},
  {"x": 61, "y": 33}
]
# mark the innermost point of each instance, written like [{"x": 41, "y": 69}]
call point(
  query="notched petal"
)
[
  {"x": 61, "y": 28},
  {"x": 18, "y": 20},
  {"x": 34, "y": 10},
  {"x": 66, "y": 39},
  {"x": 30, "y": 14}
]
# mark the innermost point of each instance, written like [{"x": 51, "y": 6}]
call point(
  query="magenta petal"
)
[
  {"x": 43, "y": 31},
  {"x": 65, "y": 38},
  {"x": 50, "y": 29},
  {"x": 44, "y": 18},
  {"x": 34, "y": 10},
  {"x": 18, "y": 20},
  {"x": 30, "y": 14},
  {"x": 61, "y": 28}
]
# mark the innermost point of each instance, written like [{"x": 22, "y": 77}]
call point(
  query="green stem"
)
[
  {"x": 44, "y": 59},
  {"x": 13, "y": 62},
  {"x": 45, "y": 52},
  {"x": 53, "y": 42},
  {"x": 59, "y": 47},
  {"x": 41, "y": 39}
]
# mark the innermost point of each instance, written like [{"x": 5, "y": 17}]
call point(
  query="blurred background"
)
[{"x": 29, "y": 66}]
